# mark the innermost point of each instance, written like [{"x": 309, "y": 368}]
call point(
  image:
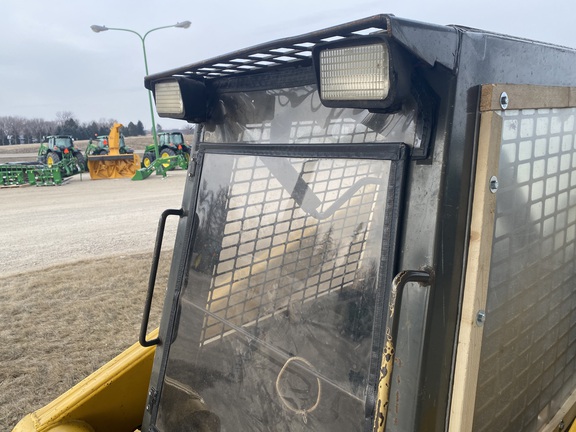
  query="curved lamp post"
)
[{"x": 184, "y": 25}]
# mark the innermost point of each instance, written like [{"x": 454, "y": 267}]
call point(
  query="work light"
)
[
  {"x": 181, "y": 98},
  {"x": 169, "y": 99},
  {"x": 362, "y": 73}
]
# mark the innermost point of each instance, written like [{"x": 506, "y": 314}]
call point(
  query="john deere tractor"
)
[
  {"x": 59, "y": 150},
  {"x": 170, "y": 144}
]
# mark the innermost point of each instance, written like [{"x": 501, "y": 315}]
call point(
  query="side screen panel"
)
[{"x": 528, "y": 358}]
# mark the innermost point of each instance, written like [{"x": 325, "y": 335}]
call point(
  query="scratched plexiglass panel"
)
[
  {"x": 528, "y": 359},
  {"x": 275, "y": 320}
]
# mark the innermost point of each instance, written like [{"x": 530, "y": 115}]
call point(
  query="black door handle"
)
[{"x": 153, "y": 273}]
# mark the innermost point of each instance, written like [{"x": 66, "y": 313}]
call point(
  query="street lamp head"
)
[
  {"x": 183, "y": 24},
  {"x": 98, "y": 29}
]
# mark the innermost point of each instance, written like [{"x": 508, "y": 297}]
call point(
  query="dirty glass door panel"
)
[{"x": 274, "y": 325}]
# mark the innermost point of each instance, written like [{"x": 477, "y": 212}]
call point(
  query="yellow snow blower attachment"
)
[{"x": 113, "y": 164}]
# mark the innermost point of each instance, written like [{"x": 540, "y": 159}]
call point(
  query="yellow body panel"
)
[{"x": 112, "y": 399}]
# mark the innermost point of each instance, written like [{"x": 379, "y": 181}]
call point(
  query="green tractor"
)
[
  {"x": 170, "y": 144},
  {"x": 59, "y": 150},
  {"x": 99, "y": 146}
]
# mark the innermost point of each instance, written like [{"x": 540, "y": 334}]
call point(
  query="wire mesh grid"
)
[
  {"x": 274, "y": 253},
  {"x": 339, "y": 130},
  {"x": 528, "y": 355}
]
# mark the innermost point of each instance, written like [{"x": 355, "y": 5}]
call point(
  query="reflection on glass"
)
[
  {"x": 296, "y": 116},
  {"x": 275, "y": 320}
]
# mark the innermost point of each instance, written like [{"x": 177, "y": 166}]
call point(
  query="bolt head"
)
[
  {"x": 480, "y": 318},
  {"x": 494, "y": 184},
  {"x": 504, "y": 100}
]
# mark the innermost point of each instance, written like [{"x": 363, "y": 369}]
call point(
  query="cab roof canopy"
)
[
  {"x": 417, "y": 37},
  {"x": 297, "y": 51}
]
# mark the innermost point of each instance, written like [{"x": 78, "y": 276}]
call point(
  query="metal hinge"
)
[
  {"x": 192, "y": 167},
  {"x": 152, "y": 396}
]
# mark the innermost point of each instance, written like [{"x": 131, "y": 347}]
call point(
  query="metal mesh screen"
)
[
  {"x": 296, "y": 116},
  {"x": 345, "y": 130},
  {"x": 528, "y": 355},
  {"x": 270, "y": 240},
  {"x": 275, "y": 318}
]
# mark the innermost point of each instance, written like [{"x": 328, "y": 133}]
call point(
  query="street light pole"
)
[{"x": 184, "y": 25}]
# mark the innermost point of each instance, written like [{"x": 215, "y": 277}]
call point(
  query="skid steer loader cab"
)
[
  {"x": 372, "y": 212},
  {"x": 294, "y": 224},
  {"x": 367, "y": 214},
  {"x": 378, "y": 233}
]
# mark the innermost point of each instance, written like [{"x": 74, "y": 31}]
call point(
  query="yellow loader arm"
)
[{"x": 111, "y": 399}]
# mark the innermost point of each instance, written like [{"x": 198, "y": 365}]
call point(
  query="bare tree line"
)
[{"x": 20, "y": 130}]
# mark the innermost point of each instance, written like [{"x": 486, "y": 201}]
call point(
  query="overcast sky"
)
[{"x": 50, "y": 60}]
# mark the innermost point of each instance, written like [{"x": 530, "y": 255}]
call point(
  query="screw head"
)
[
  {"x": 504, "y": 100},
  {"x": 494, "y": 184},
  {"x": 480, "y": 318}
]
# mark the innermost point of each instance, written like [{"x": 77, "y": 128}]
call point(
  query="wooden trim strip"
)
[
  {"x": 564, "y": 416},
  {"x": 477, "y": 274},
  {"x": 523, "y": 96}
]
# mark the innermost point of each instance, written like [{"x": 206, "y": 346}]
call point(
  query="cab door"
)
[{"x": 279, "y": 322}]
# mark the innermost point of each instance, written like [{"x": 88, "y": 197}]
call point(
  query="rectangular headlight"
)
[
  {"x": 367, "y": 72},
  {"x": 181, "y": 98},
  {"x": 355, "y": 73},
  {"x": 169, "y": 99}
]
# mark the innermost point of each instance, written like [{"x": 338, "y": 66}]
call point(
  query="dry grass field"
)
[
  {"x": 74, "y": 266},
  {"x": 56, "y": 333}
]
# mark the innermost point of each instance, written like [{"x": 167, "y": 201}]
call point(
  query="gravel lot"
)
[{"x": 83, "y": 218}]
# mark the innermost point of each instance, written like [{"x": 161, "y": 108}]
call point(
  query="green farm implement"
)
[
  {"x": 33, "y": 173},
  {"x": 57, "y": 159},
  {"x": 160, "y": 166}
]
